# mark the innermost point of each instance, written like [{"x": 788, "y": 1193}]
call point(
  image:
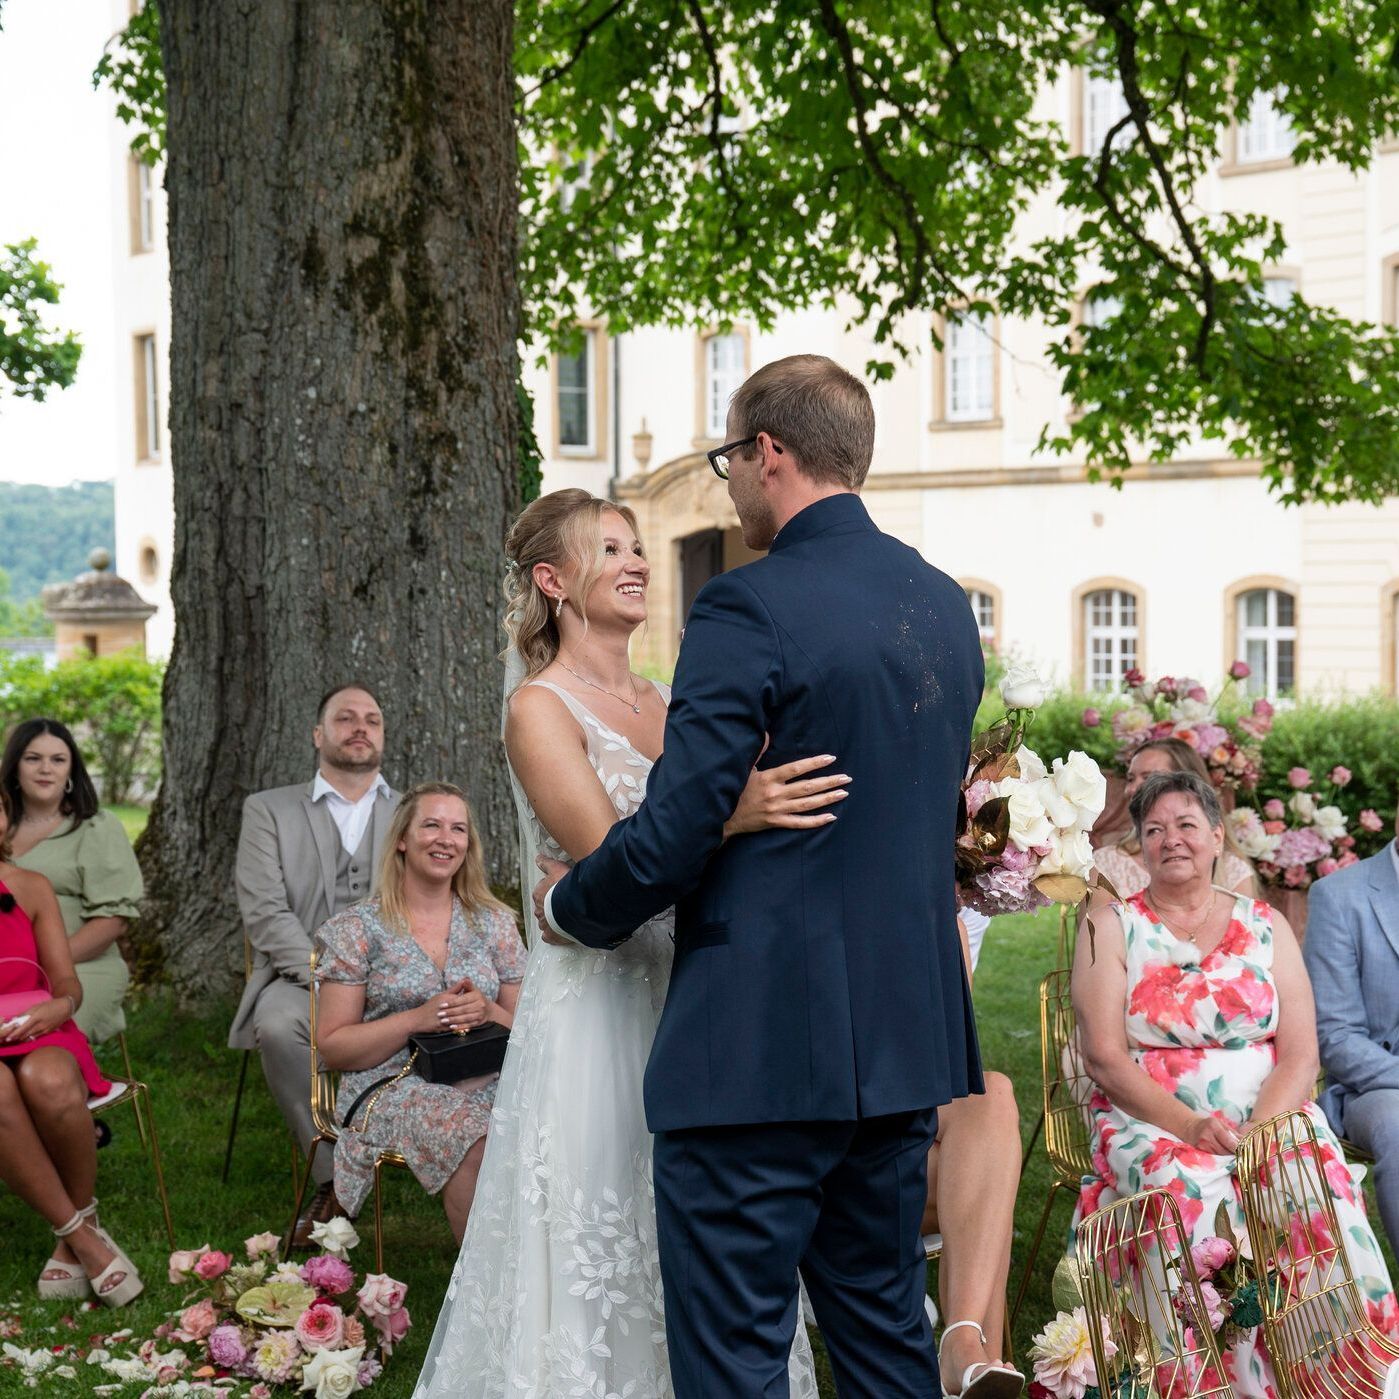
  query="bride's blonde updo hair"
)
[{"x": 563, "y": 527}]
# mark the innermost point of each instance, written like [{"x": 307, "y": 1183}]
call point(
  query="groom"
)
[{"x": 818, "y": 1013}]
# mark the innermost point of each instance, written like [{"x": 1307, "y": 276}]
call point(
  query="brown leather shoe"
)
[{"x": 323, "y": 1208}]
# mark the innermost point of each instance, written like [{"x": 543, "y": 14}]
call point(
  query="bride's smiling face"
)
[{"x": 618, "y": 596}]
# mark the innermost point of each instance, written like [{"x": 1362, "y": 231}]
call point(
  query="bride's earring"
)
[{"x": 558, "y": 606}]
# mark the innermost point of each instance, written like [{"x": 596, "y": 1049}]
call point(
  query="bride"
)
[{"x": 557, "y": 1290}]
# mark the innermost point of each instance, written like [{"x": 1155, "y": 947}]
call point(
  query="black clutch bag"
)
[{"x": 442, "y": 1056}]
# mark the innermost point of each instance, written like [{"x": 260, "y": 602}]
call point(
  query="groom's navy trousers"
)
[{"x": 818, "y": 1010}]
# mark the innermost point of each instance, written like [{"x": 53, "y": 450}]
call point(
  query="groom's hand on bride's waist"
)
[{"x": 554, "y": 870}]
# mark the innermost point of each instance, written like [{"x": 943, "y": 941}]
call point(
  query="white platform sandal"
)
[
  {"x": 74, "y": 1282},
  {"x": 994, "y": 1382},
  {"x": 108, "y": 1292}
]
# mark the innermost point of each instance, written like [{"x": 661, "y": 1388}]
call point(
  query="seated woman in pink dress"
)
[
  {"x": 48, "y": 1155},
  {"x": 1196, "y": 1019},
  {"x": 1119, "y": 856}
]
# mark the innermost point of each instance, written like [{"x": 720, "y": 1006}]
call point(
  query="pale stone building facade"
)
[{"x": 1188, "y": 566}]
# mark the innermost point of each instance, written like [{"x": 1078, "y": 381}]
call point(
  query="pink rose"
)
[
  {"x": 380, "y": 1295},
  {"x": 1214, "y": 1304},
  {"x": 392, "y": 1329},
  {"x": 1240, "y": 670},
  {"x": 1133, "y": 678},
  {"x": 321, "y": 1327},
  {"x": 198, "y": 1321},
  {"x": 1262, "y": 709},
  {"x": 1345, "y": 842},
  {"x": 1296, "y": 877},
  {"x": 259, "y": 1391},
  {"x": 1198, "y": 693},
  {"x": 1274, "y": 828},
  {"x": 1212, "y": 1254},
  {"x": 259, "y": 1244},
  {"x": 1327, "y": 866},
  {"x": 1340, "y": 775},
  {"x": 1347, "y": 860},
  {"x": 183, "y": 1260},
  {"x": 1274, "y": 810},
  {"x": 1166, "y": 684},
  {"x": 328, "y": 1274},
  {"x": 1370, "y": 820},
  {"x": 1091, "y": 718},
  {"x": 212, "y": 1265},
  {"x": 1299, "y": 778}
]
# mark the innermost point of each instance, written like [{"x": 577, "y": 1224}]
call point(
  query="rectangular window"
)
[
  {"x": 142, "y": 206},
  {"x": 1279, "y": 291},
  {"x": 984, "y": 610},
  {"x": 1265, "y": 133},
  {"x": 147, "y": 386},
  {"x": 1267, "y": 640},
  {"x": 1110, "y": 628},
  {"x": 724, "y": 357},
  {"x": 970, "y": 368},
  {"x": 1104, "y": 105},
  {"x": 576, "y": 375}
]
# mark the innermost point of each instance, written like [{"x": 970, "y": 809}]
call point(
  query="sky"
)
[{"x": 57, "y": 184}]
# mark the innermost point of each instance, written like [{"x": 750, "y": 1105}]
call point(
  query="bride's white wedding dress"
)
[{"x": 557, "y": 1289}]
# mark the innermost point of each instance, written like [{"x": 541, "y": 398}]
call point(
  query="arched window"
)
[
  {"x": 1111, "y": 636},
  {"x": 1265, "y": 631},
  {"x": 148, "y": 563}
]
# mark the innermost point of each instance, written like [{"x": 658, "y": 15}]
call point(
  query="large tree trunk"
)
[{"x": 343, "y": 198}]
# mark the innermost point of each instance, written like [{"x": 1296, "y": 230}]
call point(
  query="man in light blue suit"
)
[{"x": 1352, "y": 954}]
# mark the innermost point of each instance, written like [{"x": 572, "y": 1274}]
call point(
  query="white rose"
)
[
  {"x": 337, "y": 1236},
  {"x": 1031, "y": 765},
  {"x": 1246, "y": 830},
  {"x": 1080, "y": 781},
  {"x": 1028, "y": 823},
  {"x": 333, "y": 1374},
  {"x": 1303, "y": 806},
  {"x": 1191, "y": 711},
  {"x": 1330, "y": 821},
  {"x": 1070, "y": 852},
  {"x": 1060, "y": 810},
  {"x": 1021, "y": 688}
]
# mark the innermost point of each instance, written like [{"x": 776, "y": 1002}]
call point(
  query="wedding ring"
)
[{"x": 459, "y": 1030}]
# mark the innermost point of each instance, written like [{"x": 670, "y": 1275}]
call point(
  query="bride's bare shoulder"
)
[{"x": 536, "y": 714}]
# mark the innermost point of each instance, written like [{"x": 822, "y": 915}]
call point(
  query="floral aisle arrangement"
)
[
  {"x": 275, "y": 1327},
  {"x": 1171, "y": 707},
  {"x": 1022, "y": 835},
  {"x": 1295, "y": 842}
]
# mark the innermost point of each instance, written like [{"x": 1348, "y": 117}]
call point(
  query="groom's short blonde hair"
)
[{"x": 819, "y": 411}]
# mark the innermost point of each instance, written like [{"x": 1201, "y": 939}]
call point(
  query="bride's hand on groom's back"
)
[{"x": 786, "y": 797}]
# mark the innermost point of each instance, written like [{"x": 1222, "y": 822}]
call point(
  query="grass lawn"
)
[{"x": 193, "y": 1075}]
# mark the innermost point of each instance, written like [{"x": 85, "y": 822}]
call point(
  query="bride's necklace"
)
[
  {"x": 632, "y": 702},
  {"x": 1193, "y": 934}
]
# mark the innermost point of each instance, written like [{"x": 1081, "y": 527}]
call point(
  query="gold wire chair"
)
[
  {"x": 1067, "y": 1089},
  {"x": 1142, "y": 1293},
  {"x": 1322, "y": 1343},
  {"x": 136, "y": 1095},
  {"x": 324, "y": 1083}
]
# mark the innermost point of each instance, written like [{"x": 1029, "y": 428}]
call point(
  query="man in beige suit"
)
[{"x": 306, "y": 852}]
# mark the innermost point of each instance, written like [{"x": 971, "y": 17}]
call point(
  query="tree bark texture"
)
[{"x": 343, "y": 193}]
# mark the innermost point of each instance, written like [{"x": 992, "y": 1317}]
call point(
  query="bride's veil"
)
[{"x": 515, "y": 674}]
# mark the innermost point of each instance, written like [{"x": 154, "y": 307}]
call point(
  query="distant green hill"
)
[{"x": 47, "y": 532}]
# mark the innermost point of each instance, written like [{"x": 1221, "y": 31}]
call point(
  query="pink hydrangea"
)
[
  {"x": 329, "y": 1274},
  {"x": 213, "y": 1264},
  {"x": 1370, "y": 820},
  {"x": 1302, "y": 847},
  {"x": 370, "y": 1368},
  {"x": 1340, "y": 775},
  {"x": 1208, "y": 737},
  {"x": 978, "y": 794},
  {"x": 1299, "y": 778},
  {"x": 226, "y": 1347}
]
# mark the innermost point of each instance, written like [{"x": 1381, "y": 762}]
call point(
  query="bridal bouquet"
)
[
  {"x": 1298, "y": 841},
  {"x": 309, "y": 1326},
  {"x": 1022, "y": 833},
  {"x": 1182, "y": 708}
]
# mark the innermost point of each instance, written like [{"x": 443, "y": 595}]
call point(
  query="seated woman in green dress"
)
[{"x": 60, "y": 832}]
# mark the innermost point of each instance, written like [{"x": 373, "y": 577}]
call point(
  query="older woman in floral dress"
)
[
  {"x": 1196, "y": 1019},
  {"x": 431, "y": 950}
]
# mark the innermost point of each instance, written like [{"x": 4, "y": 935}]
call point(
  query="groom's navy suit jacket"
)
[{"x": 818, "y": 973}]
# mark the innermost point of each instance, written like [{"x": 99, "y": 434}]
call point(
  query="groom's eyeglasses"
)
[{"x": 719, "y": 457}]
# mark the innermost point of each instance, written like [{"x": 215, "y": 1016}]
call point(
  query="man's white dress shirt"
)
[{"x": 350, "y": 817}]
